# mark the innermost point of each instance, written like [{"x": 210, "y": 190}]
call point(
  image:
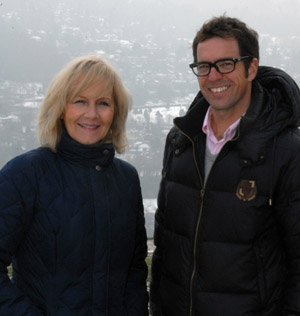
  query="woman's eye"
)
[
  {"x": 104, "y": 103},
  {"x": 79, "y": 101}
]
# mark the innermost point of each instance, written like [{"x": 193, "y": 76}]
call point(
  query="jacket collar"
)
[
  {"x": 71, "y": 150},
  {"x": 275, "y": 105},
  {"x": 191, "y": 123},
  {"x": 274, "y": 93}
]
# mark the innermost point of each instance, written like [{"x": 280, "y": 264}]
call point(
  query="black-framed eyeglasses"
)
[{"x": 223, "y": 66}]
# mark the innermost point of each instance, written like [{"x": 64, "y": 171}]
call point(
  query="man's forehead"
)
[{"x": 217, "y": 48}]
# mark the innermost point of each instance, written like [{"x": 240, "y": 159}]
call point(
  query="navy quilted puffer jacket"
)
[{"x": 72, "y": 224}]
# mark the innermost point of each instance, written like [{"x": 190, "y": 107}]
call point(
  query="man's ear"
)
[{"x": 252, "y": 70}]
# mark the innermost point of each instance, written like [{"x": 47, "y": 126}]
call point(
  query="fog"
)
[
  {"x": 147, "y": 41},
  {"x": 38, "y": 37}
]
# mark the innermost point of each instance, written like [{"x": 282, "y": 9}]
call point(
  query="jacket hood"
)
[
  {"x": 274, "y": 107},
  {"x": 284, "y": 91}
]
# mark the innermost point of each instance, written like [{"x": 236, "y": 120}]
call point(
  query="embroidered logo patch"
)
[{"x": 246, "y": 190}]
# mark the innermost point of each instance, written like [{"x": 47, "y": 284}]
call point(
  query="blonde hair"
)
[{"x": 77, "y": 76}]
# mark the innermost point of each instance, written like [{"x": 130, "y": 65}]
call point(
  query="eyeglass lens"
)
[{"x": 224, "y": 66}]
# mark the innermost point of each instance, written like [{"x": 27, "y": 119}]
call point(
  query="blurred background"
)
[{"x": 149, "y": 44}]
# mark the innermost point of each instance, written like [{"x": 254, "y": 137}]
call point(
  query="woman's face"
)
[{"x": 88, "y": 117}]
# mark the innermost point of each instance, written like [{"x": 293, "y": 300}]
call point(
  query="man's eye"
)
[
  {"x": 226, "y": 64},
  {"x": 203, "y": 66}
]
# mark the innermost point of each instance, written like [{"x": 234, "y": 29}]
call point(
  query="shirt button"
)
[
  {"x": 98, "y": 168},
  {"x": 105, "y": 151}
]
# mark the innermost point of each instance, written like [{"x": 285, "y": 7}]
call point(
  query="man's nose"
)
[{"x": 214, "y": 74}]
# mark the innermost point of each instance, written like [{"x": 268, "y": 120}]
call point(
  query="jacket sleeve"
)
[
  {"x": 288, "y": 213},
  {"x": 157, "y": 256},
  {"x": 136, "y": 296},
  {"x": 155, "y": 309},
  {"x": 15, "y": 216}
]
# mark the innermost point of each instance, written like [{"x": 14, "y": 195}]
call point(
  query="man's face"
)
[{"x": 226, "y": 93}]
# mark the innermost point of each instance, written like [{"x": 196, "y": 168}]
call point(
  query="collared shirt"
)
[{"x": 212, "y": 143}]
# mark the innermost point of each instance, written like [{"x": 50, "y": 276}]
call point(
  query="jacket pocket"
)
[{"x": 260, "y": 274}]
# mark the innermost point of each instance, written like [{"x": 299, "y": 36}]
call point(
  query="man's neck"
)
[{"x": 221, "y": 120}]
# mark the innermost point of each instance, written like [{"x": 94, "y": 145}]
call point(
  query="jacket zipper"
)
[
  {"x": 202, "y": 193},
  {"x": 195, "y": 252}
]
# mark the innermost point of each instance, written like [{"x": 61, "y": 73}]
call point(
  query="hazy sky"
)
[
  {"x": 152, "y": 73},
  {"x": 165, "y": 20},
  {"x": 266, "y": 16},
  {"x": 275, "y": 17}
]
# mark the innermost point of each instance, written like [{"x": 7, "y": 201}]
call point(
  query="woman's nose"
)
[{"x": 91, "y": 110}]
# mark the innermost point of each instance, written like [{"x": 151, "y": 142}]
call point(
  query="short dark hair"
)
[{"x": 226, "y": 27}]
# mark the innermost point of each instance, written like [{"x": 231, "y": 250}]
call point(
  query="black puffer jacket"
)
[
  {"x": 231, "y": 247},
  {"x": 73, "y": 223}
]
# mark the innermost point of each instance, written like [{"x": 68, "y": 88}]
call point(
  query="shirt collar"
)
[{"x": 207, "y": 129}]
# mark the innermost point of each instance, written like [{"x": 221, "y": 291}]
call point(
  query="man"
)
[{"x": 227, "y": 230}]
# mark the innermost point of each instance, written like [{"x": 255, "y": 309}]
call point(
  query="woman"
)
[{"x": 71, "y": 214}]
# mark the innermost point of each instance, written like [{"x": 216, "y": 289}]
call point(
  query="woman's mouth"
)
[{"x": 89, "y": 126}]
